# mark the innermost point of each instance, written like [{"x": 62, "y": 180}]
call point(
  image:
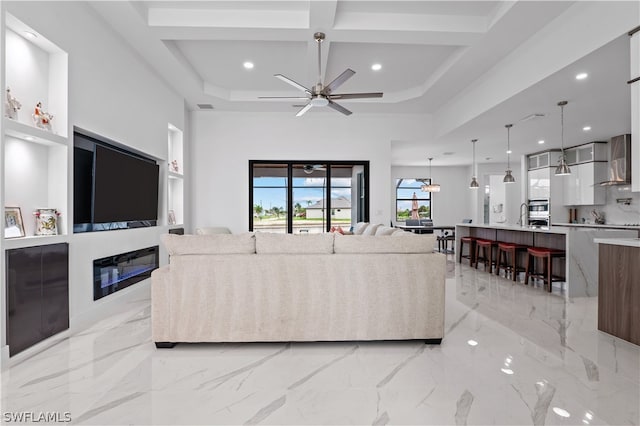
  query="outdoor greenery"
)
[{"x": 423, "y": 212}]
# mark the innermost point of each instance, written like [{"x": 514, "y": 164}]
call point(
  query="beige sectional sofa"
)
[{"x": 266, "y": 287}]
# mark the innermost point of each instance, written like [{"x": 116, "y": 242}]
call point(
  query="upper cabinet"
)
[
  {"x": 588, "y": 164},
  {"x": 35, "y": 136},
  {"x": 635, "y": 110}
]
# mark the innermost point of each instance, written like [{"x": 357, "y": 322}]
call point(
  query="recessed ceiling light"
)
[
  {"x": 507, "y": 371},
  {"x": 376, "y": 67},
  {"x": 582, "y": 76},
  {"x": 586, "y": 128},
  {"x": 509, "y": 151},
  {"x": 472, "y": 342},
  {"x": 248, "y": 65},
  {"x": 561, "y": 412},
  {"x": 29, "y": 34},
  {"x": 29, "y": 138},
  {"x": 541, "y": 141}
]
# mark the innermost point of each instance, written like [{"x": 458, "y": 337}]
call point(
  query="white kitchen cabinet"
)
[
  {"x": 539, "y": 182},
  {"x": 582, "y": 186}
]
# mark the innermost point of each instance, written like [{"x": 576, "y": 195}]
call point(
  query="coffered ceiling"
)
[{"x": 432, "y": 54}]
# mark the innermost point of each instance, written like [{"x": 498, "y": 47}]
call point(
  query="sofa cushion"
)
[
  {"x": 371, "y": 229},
  {"x": 398, "y": 243},
  {"x": 268, "y": 243},
  {"x": 213, "y": 230},
  {"x": 244, "y": 243},
  {"x": 360, "y": 227},
  {"x": 385, "y": 230}
]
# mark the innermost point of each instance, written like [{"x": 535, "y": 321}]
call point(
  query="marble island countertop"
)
[
  {"x": 595, "y": 225},
  {"x": 512, "y": 227},
  {"x": 631, "y": 242}
]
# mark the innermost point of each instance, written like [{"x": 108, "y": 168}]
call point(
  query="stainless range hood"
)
[{"x": 619, "y": 161}]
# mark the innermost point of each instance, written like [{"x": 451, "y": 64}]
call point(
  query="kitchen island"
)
[
  {"x": 619, "y": 288},
  {"x": 581, "y": 263}
]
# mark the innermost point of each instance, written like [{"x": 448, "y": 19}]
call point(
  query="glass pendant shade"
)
[
  {"x": 474, "y": 182},
  {"x": 430, "y": 187},
  {"x": 563, "y": 168},
  {"x": 508, "y": 177}
]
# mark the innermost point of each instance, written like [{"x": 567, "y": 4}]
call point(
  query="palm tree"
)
[
  {"x": 276, "y": 211},
  {"x": 297, "y": 208}
]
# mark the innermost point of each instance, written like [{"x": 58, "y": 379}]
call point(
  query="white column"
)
[{"x": 635, "y": 113}]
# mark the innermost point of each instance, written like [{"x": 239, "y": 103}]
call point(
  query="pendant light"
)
[
  {"x": 562, "y": 169},
  {"x": 474, "y": 182},
  {"x": 508, "y": 177},
  {"x": 431, "y": 187}
]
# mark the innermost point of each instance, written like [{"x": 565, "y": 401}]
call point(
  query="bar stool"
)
[
  {"x": 485, "y": 257},
  {"x": 471, "y": 241},
  {"x": 443, "y": 241},
  {"x": 547, "y": 255},
  {"x": 509, "y": 252}
]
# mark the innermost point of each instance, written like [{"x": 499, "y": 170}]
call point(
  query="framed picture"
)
[
  {"x": 172, "y": 217},
  {"x": 13, "y": 227}
]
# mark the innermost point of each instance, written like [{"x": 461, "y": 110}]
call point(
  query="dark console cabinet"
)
[{"x": 37, "y": 294}]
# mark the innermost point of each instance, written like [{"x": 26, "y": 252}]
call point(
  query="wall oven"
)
[{"x": 538, "y": 212}]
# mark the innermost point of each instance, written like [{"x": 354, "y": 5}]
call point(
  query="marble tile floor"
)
[{"x": 511, "y": 355}]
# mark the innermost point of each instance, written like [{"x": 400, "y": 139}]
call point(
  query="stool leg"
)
[
  {"x": 514, "y": 256},
  {"x": 477, "y": 255},
  {"x": 526, "y": 270},
  {"x": 550, "y": 263},
  {"x": 460, "y": 254}
]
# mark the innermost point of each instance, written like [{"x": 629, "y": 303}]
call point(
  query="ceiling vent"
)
[
  {"x": 532, "y": 117},
  {"x": 205, "y": 106}
]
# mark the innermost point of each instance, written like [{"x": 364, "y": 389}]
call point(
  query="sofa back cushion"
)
[
  {"x": 385, "y": 230},
  {"x": 360, "y": 227},
  {"x": 403, "y": 243},
  {"x": 209, "y": 244},
  {"x": 268, "y": 243},
  {"x": 213, "y": 230}
]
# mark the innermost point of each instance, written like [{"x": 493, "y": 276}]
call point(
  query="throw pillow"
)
[
  {"x": 371, "y": 229},
  {"x": 360, "y": 227}
]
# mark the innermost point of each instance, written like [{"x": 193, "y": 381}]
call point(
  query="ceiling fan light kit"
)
[{"x": 321, "y": 96}]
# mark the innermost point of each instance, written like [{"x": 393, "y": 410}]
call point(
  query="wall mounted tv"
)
[{"x": 114, "y": 187}]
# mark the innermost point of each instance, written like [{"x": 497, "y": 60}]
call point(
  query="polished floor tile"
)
[{"x": 511, "y": 355}]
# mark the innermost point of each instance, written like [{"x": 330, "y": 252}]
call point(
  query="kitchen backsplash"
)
[{"x": 614, "y": 212}]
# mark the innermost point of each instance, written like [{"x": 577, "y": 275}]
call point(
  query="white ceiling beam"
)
[
  {"x": 411, "y": 22},
  {"x": 222, "y": 18}
]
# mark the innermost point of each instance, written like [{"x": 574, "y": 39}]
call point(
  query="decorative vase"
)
[{"x": 46, "y": 222}]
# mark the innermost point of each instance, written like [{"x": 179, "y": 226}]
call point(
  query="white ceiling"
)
[{"x": 431, "y": 52}]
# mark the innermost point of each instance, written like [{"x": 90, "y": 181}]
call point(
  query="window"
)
[
  {"x": 307, "y": 197},
  {"x": 411, "y": 202}
]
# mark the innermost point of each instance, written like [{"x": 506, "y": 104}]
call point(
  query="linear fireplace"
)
[{"x": 114, "y": 273}]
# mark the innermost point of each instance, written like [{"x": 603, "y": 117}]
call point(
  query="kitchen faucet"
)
[{"x": 526, "y": 211}]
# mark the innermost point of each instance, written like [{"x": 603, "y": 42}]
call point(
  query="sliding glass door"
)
[{"x": 307, "y": 196}]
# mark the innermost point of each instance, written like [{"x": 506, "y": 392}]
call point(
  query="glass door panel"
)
[
  {"x": 310, "y": 202},
  {"x": 270, "y": 197}
]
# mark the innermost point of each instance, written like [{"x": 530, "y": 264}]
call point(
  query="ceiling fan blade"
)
[
  {"x": 306, "y": 108},
  {"x": 293, "y": 83},
  {"x": 338, "y": 81},
  {"x": 283, "y": 97},
  {"x": 355, "y": 95},
  {"x": 338, "y": 107}
]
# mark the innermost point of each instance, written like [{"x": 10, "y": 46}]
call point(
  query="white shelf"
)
[
  {"x": 31, "y": 133},
  {"x": 34, "y": 240}
]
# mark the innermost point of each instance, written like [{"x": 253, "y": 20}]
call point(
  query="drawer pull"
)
[{"x": 633, "y": 80}]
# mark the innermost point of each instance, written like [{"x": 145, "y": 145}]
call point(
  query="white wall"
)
[
  {"x": 114, "y": 94},
  {"x": 451, "y": 204},
  {"x": 223, "y": 144},
  {"x": 512, "y": 192}
]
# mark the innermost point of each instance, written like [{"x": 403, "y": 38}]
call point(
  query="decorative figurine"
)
[
  {"x": 41, "y": 118},
  {"x": 174, "y": 166},
  {"x": 12, "y": 106}
]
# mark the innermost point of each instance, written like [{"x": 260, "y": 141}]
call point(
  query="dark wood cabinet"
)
[
  {"x": 37, "y": 294},
  {"x": 619, "y": 292}
]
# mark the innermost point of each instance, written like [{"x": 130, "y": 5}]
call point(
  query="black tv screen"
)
[{"x": 125, "y": 187}]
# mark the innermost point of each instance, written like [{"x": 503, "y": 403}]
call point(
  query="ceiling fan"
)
[
  {"x": 310, "y": 168},
  {"x": 320, "y": 95}
]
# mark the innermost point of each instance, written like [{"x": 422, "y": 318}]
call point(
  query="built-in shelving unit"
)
[
  {"x": 35, "y": 168},
  {"x": 175, "y": 184}
]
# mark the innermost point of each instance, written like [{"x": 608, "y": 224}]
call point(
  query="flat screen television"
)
[{"x": 125, "y": 187}]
